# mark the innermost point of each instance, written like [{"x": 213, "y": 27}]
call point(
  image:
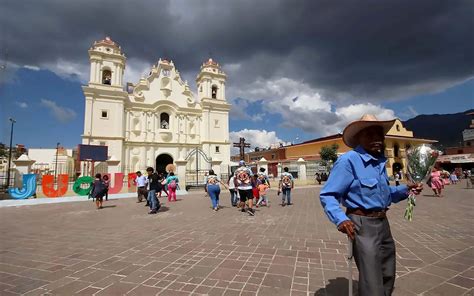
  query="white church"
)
[{"x": 159, "y": 120}]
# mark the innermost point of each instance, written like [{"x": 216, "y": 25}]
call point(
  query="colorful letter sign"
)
[
  {"x": 82, "y": 186},
  {"x": 28, "y": 189}
]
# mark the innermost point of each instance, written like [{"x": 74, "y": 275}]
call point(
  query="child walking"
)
[{"x": 262, "y": 188}]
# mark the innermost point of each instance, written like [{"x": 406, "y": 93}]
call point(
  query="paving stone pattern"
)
[{"x": 187, "y": 249}]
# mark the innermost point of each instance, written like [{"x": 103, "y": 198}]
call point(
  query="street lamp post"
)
[
  {"x": 10, "y": 152},
  {"x": 56, "y": 162}
]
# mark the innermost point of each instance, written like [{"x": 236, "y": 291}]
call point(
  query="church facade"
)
[{"x": 158, "y": 121}]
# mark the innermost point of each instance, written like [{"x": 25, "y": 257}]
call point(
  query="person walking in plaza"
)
[
  {"x": 162, "y": 188},
  {"x": 318, "y": 178},
  {"x": 453, "y": 178},
  {"x": 98, "y": 190},
  {"x": 172, "y": 183},
  {"x": 232, "y": 190},
  {"x": 262, "y": 193},
  {"x": 360, "y": 182},
  {"x": 436, "y": 181},
  {"x": 263, "y": 177},
  {"x": 154, "y": 186},
  {"x": 286, "y": 184},
  {"x": 213, "y": 189},
  {"x": 243, "y": 182},
  {"x": 255, "y": 192},
  {"x": 106, "y": 180},
  {"x": 397, "y": 178},
  {"x": 141, "y": 182}
]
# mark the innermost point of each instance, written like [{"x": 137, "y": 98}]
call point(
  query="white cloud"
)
[
  {"x": 256, "y": 138},
  {"x": 412, "y": 111},
  {"x": 63, "y": 114},
  {"x": 136, "y": 69},
  {"x": 302, "y": 106},
  {"x": 22, "y": 105},
  {"x": 33, "y": 68},
  {"x": 70, "y": 70}
]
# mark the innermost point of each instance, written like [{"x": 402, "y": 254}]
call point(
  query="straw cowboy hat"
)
[{"x": 368, "y": 120}]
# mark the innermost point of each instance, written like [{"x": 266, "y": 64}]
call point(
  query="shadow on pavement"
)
[
  {"x": 111, "y": 206},
  {"x": 337, "y": 287},
  {"x": 163, "y": 209}
]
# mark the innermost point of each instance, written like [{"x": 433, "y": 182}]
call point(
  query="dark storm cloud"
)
[{"x": 344, "y": 49}]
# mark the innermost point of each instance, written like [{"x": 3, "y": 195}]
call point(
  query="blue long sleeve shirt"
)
[{"x": 359, "y": 180}]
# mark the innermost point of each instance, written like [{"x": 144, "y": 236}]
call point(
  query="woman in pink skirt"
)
[{"x": 436, "y": 182}]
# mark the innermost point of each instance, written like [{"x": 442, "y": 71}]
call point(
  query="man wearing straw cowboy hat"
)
[{"x": 359, "y": 181}]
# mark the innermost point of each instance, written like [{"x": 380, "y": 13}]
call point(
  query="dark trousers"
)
[
  {"x": 142, "y": 193},
  {"x": 374, "y": 254}
]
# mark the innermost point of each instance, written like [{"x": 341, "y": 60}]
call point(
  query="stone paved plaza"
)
[{"x": 187, "y": 249}]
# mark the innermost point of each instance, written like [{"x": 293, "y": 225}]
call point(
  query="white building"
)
[
  {"x": 158, "y": 120},
  {"x": 45, "y": 161}
]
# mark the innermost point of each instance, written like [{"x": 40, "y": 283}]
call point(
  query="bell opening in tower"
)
[
  {"x": 214, "y": 92},
  {"x": 106, "y": 77}
]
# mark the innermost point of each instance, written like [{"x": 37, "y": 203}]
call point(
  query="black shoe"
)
[
  {"x": 251, "y": 212},
  {"x": 242, "y": 210}
]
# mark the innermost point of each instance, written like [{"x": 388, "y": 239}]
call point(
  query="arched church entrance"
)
[{"x": 162, "y": 161}]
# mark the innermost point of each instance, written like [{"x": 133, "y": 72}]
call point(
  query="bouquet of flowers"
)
[{"x": 420, "y": 161}]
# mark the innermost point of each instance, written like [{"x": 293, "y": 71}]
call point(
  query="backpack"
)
[
  {"x": 173, "y": 184},
  {"x": 286, "y": 181}
]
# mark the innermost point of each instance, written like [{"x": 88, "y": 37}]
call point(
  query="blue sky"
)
[{"x": 49, "y": 109}]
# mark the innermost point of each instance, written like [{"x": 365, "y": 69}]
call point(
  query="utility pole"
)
[
  {"x": 10, "y": 152},
  {"x": 56, "y": 162}
]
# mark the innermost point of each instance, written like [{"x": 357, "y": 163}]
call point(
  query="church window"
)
[
  {"x": 218, "y": 148},
  {"x": 164, "y": 121},
  {"x": 104, "y": 114},
  {"x": 398, "y": 127},
  {"x": 214, "y": 92},
  {"x": 106, "y": 77}
]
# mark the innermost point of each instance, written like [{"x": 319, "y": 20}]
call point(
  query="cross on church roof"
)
[{"x": 242, "y": 145}]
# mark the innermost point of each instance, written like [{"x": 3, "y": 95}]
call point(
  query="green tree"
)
[{"x": 329, "y": 154}]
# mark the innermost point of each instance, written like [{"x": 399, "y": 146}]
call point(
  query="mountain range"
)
[{"x": 445, "y": 128}]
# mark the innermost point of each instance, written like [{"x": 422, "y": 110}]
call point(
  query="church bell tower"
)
[
  {"x": 105, "y": 98},
  {"x": 211, "y": 81},
  {"x": 107, "y": 63},
  {"x": 215, "y": 113}
]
